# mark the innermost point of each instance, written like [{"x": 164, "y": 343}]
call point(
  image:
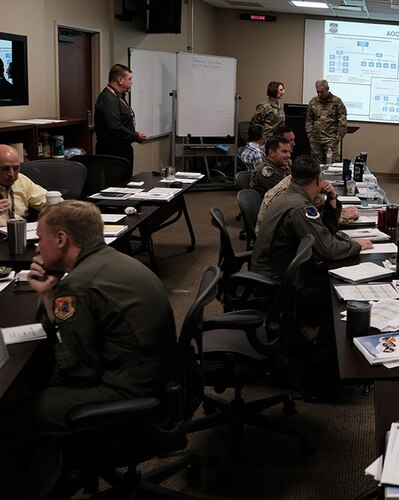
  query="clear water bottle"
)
[{"x": 329, "y": 157}]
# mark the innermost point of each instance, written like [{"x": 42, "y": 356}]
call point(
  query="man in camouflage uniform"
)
[
  {"x": 274, "y": 167},
  {"x": 325, "y": 122}
]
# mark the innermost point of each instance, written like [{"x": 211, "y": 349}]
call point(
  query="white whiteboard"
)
[
  {"x": 154, "y": 77},
  {"x": 206, "y": 89}
]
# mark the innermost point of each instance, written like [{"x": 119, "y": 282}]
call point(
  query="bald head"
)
[
  {"x": 8, "y": 152},
  {"x": 9, "y": 165}
]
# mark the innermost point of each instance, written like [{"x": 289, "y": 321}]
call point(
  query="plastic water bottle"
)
[{"x": 329, "y": 157}]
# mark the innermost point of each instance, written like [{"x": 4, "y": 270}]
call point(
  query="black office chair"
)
[
  {"x": 127, "y": 432},
  {"x": 229, "y": 261},
  {"x": 103, "y": 171},
  {"x": 65, "y": 176},
  {"x": 236, "y": 351},
  {"x": 249, "y": 202},
  {"x": 243, "y": 179},
  {"x": 243, "y": 133}
]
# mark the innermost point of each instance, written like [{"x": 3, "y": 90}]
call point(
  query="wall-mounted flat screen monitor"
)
[{"x": 13, "y": 70}]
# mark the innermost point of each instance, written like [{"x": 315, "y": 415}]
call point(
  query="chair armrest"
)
[
  {"x": 252, "y": 278},
  {"x": 249, "y": 290},
  {"x": 245, "y": 256},
  {"x": 235, "y": 320},
  {"x": 92, "y": 413}
]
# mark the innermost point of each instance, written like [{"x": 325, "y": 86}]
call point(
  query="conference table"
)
[
  {"x": 120, "y": 242},
  {"x": 353, "y": 366},
  {"x": 164, "y": 214},
  {"x": 17, "y": 308}
]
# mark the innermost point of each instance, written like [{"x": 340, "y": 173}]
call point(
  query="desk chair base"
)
[
  {"x": 129, "y": 485},
  {"x": 237, "y": 413}
]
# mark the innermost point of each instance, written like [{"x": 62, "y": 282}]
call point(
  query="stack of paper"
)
[
  {"x": 4, "y": 356},
  {"x": 362, "y": 221},
  {"x": 381, "y": 248},
  {"x": 114, "y": 230},
  {"x": 24, "y": 333},
  {"x": 361, "y": 273},
  {"x": 385, "y": 315},
  {"x": 349, "y": 199},
  {"x": 117, "y": 193},
  {"x": 381, "y": 291},
  {"x": 372, "y": 234},
  {"x": 189, "y": 175},
  {"x": 385, "y": 470},
  {"x": 158, "y": 194},
  {"x": 390, "y": 470}
]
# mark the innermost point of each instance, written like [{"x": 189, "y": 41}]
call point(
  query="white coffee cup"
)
[{"x": 53, "y": 197}]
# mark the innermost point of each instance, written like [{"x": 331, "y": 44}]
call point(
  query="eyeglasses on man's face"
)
[{"x": 5, "y": 169}]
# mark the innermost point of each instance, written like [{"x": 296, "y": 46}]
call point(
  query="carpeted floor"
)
[{"x": 266, "y": 465}]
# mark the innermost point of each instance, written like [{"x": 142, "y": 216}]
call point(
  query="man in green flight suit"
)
[{"x": 109, "y": 344}]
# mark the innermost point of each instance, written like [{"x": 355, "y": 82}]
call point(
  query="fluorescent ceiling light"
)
[
  {"x": 314, "y": 5},
  {"x": 347, "y": 7}
]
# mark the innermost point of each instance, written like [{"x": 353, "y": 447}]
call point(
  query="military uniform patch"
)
[
  {"x": 311, "y": 213},
  {"x": 64, "y": 307},
  {"x": 267, "y": 171}
]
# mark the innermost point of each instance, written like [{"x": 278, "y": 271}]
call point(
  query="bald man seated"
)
[{"x": 17, "y": 192}]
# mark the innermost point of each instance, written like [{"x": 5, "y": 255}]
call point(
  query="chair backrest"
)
[
  {"x": 189, "y": 374},
  {"x": 65, "y": 176},
  {"x": 243, "y": 133},
  {"x": 249, "y": 202},
  {"x": 243, "y": 179},
  {"x": 227, "y": 259},
  {"x": 241, "y": 165},
  {"x": 103, "y": 171},
  {"x": 284, "y": 306}
]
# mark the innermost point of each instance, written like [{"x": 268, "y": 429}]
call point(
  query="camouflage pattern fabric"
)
[
  {"x": 269, "y": 114},
  {"x": 325, "y": 126}
]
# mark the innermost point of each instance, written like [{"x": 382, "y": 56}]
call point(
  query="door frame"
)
[{"x": 96, "y": 64}]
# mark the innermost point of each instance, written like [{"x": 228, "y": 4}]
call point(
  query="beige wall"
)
[{"x": 38, "y": 20}]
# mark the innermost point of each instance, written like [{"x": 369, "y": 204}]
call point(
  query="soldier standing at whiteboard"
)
[
  {"x": 114, "y": 119},
  {"x": 325, "y": 123}
]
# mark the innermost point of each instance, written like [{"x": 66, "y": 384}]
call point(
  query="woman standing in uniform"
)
[{"x": 270, "y": 113}]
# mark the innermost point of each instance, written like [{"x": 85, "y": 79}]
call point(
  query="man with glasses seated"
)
[{"x": 17, "y": 192}]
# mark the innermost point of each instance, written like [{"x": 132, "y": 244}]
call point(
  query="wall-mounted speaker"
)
[{"x": 153, "y": 16}]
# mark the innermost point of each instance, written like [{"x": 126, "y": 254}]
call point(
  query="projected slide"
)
[{"x": 361, "y": 64}]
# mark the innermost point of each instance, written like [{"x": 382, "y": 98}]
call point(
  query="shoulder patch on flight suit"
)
[
  {"x": 267, "y": 171},
  {"x": 64, "y": 307},
  {"x": 311, "y": 213}
]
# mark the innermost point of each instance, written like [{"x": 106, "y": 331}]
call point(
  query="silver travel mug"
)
[{"x": 16, "y": 235}]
